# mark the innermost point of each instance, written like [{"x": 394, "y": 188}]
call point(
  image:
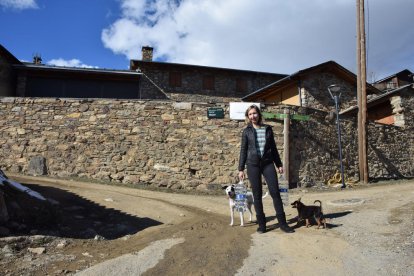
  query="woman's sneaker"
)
[
  {"x": 261, "y": 229},
  {"x": 286, "y": 228}
]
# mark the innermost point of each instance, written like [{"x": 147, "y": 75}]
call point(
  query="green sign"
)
[
  {"x": 300, "y": 117},
  {"x": 215, "y": 113},
  {"x": 268, "y": 115}
]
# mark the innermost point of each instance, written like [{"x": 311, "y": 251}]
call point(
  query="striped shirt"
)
[{"x": 260, "y": 134}]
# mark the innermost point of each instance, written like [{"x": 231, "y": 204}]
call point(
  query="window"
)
[
  {"x": 208, "y": 82},
  {"x": 391, "y": 85},
  {"x": 175, "y": 79},
  {"x": 241, "y": 85}
]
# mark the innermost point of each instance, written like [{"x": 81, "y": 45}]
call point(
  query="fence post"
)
[{"x": 286, "y": 123}]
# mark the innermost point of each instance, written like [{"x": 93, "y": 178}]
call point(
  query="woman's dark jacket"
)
[{"x": 248, "y": 151}]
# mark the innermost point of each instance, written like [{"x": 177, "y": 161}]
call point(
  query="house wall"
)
[
  {"x": 400, "y": 79},
  {"x": 407, "y": 106},
  {"x": 73, "y": 85},
  {"x": 382, "y": 114},
  {"x": 6, "y": 78},
  {"x": 389, "y": 84},
  {"x": 274, "y": 98},
  {"x": 290, "y": 96},
  {"x": 174, "y": 144},
  {"x": 287, "y": 96},
  {"x": 192, "y": 82},
  {"x": 315, "y": 92}
]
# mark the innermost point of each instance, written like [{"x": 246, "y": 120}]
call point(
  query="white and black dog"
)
[{"x": 231, "y": 194}]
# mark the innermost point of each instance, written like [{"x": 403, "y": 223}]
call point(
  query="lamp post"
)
[{"x": 335, "y": 94}]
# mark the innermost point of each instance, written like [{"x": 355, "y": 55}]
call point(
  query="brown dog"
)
[{"x": 307, "y": 212}]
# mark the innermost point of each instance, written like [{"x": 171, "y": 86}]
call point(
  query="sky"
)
[{"x": 263, "y": 35}]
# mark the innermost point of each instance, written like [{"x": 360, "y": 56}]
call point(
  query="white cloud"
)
[
  {"x": 19, "y": 4},
  {"x": 264, "y": 35},
  {"x": 69, "y": 63}
]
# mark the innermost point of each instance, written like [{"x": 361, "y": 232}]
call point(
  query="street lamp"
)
[{"x": 335, "y": 94}]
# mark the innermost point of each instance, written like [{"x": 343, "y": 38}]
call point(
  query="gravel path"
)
[{"x": 370, "y": 233}]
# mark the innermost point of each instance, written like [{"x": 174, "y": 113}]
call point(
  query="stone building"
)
[
  {"x": 394, "y": 105},
  {"x": 7, "y": 74},
  {"x": 34, "y": 79},
  {"x": 146, "y": 79},
  {"x": 184, "y": 82},
  {"x": 395, "y": 81},
  {"x": 309, "y": 88}
]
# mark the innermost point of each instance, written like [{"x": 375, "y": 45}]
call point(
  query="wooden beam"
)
[{"x": 286, "y": 145}]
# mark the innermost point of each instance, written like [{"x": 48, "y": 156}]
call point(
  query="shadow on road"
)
[
  {"x": 69, "y": 215},
  {"x": 313, "y": 222},
  {"x": 337, "y": 215}
]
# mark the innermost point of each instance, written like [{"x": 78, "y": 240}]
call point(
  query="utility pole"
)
[
  {"x": 358, "y": 61},
  {"x": 361, "y": 93}
]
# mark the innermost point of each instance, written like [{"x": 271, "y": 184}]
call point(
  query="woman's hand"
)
[{"x": 241, "y": 175}]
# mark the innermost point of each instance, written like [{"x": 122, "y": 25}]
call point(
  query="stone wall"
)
[
  {"x": 314, "y": 151},
  {"x": 174, "y": 144},
  {"x": 407, "y": 96},
  {"x": 390, "y": 151}
]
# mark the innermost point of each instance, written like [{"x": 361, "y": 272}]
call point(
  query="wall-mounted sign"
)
[
  {"x": 215, "y": 113},
  {"x": 237, "y": 109}
]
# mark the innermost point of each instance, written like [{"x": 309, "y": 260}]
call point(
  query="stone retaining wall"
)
[{"x": 174, "y": 144}]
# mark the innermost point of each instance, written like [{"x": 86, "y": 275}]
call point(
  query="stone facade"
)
[
  {"x": 405, "y": 108},
  {"x": 225, "y": 81},
  {"x": 314, "y": 92},
  {"x": 390, "y": 151},
  {"x": 174, "y": 144}
]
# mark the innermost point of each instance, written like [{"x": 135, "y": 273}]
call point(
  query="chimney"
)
[
  {"x": 147, "y": 53},
  {"x": 37, "y": 59}
]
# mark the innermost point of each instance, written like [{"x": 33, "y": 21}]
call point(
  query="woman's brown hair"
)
[{"x": 253, "y": 106}]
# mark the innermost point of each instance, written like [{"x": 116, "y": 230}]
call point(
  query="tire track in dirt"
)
[{"x": 211, "y": 246}]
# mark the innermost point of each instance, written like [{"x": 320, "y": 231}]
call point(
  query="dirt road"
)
[{"x": 109, "y": 230}]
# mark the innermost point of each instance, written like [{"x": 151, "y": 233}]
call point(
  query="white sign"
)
[{"x": 238, "y": 109}]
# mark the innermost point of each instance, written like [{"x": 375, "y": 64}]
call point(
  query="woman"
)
[{"x": 258, "y": 151}]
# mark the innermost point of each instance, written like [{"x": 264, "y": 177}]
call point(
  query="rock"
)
[
  {"x": 83, "y": 108},
  {"x": 7, "y": 250},
  {"x": 86, "y": 254},
  {"x": 15, "y": 169},
  {"x": 37, "y": 166},
  {"x": 62, "y": 244},
  {"x": 202, "y": 187},
  {"x": 37, "y": 250},
  {"x": 98, "y": 238}
]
